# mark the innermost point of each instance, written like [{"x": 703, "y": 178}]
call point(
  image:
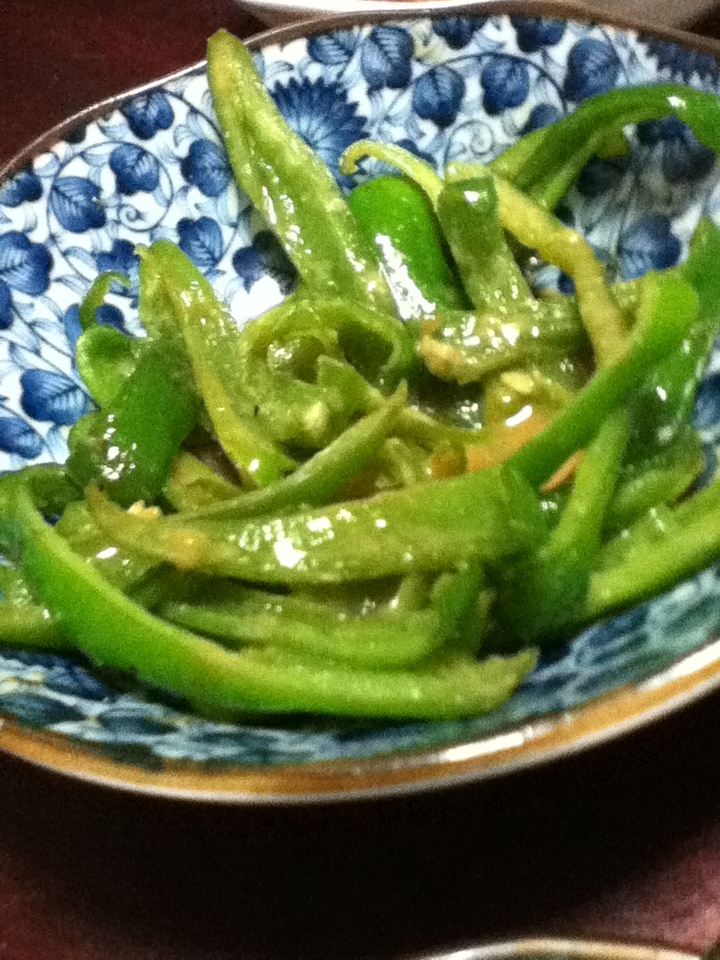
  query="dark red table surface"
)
[{"x": 621, "y": 842}]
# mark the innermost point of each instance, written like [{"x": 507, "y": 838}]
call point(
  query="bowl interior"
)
[{"x": 151, "y": 166}]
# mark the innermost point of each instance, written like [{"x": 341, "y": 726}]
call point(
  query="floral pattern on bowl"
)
[{"x": 152, "y": 167}]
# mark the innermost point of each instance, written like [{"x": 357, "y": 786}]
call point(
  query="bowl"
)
[{"x": 462, "y": 84}]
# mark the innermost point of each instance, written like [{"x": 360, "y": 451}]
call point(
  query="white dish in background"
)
[{"x": 672, "y": 13}]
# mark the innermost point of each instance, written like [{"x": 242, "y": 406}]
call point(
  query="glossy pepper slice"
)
[
  {"x": 662, "y": 409},
  {"x": 468, "y": 214},
  {"x": 666, "y": 314},
  {"x": 128, "y": 447},
  {"x": 564, "y": 247},
  {"x": 467, "y": 347},
  {"x": 211, "y": 344},
  {"x": 546, "y": 163},
  {"x": 105, "y": 358},
  {"x": 287, "y": 360},
  {"x": 397, "y": 216},
  {"x": 656, "y": 553},
  {"x": 383, "y": 640},
  {"x": 529, "y": 223},
  {"x": 290, "y": 184},
  {"x": 315, "y": 481},
  {"x": 116, "y": 632},
  {"x": 95, "y": 297},
  {"x": 485, "y": 515},
  {"x": 544, "y": 592}
]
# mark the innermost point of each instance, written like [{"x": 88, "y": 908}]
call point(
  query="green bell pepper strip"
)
[
  {"x": 396, "y": 215},
  {"x": 544, "y": 592},
  {"x": 396, "y": 532},
  {"x": 455, "y": 596},
  {"x": 115, "y": 632},
  {"x": 290, "y": 185},
  {"x": 105, "y": 358},
  {"x": 88, "y": 541},
  {"x": 468, "y": 214},
  {"x": 410, "y": 165},
  {"x": 211, "y": 339},
  {"x": 546, "y": 162},
  {"x": 315, "y": 481},
  {"x": 30, "y": 627},
  {"x": 383, "y": 641},
  {"x": 128, "y": 448},
  {"x": 95, "y": 297},
  {"x": 24, "y": 623},
  {"x": 662, "y": 409},
  {"x": 468, "y": 347},
  {"x": 533, "y": 226},
  {"x": 666, "y": 314},
  {"x": 403, "y": 463},
  {"x": 655, "y": 481},
  {"x": 549, "y": 190},
  {"x": 305, "y": 406},
  {"x": 565, "y": 248},
  {"x": 193, "y": 485},
  {"x": 413, "y": 424},
  {"x": 655, "y": 554},
  {"x": 50, "y": 486}
]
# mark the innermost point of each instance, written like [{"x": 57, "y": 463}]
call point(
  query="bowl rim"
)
[{"x": 520, "y": 747}]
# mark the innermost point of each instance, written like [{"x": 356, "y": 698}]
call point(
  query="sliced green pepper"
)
[
  {"x": 468, "y": 214},
  {"x": 489, "y": 514},
  {"x": 546, "y": 163},
  {"x": 193, "y": 484},
  {"x": 468, "y": 347},
  {"x": 396, "y": 215},
  {"x": 128, "y": 448},
  {"x": 105, "y": 358},
  {"x": 211, "y": 339},
  {"x": 290, "y": 184},
  {"x": 95, "y": 297},
  {"x": 546, "y": 591},
  {"x": 666, "y": 314},
  {"x": 315, "y": 481},
  {"x": 386, "y": 640},
  {"x": 116, "y": 632}
]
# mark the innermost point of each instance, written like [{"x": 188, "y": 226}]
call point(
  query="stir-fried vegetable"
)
[{"x": 332, "y": 510}]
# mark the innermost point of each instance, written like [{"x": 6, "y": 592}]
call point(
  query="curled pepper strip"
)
[
  {"x": 286, "y": 365},
  {"x": 290, "y": 184},
  {"x": 547, "y": 162},
  {"x": 95, "y": 297},
  {"x": 565, "y": 248}
]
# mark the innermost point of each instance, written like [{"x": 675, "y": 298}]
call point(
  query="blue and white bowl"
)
[{"x": 150, "y": 165}]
